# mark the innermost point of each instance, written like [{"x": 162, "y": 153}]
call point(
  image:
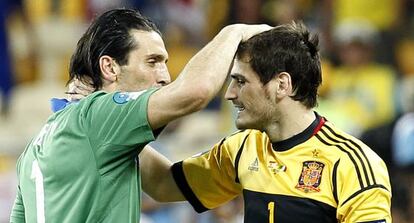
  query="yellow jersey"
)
[{"x": 319, "y": 175}]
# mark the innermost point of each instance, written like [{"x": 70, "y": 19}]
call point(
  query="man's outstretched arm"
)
[
  {"x": 202, "y": 78},
  {"x": 157, "y": 179}
]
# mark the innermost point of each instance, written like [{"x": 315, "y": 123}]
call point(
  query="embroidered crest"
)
[
  {"x": 275, "y": 167},
  {"x": 310, "y": 178},
  {"x": 254, "y": 166},
  {"x": 124, "y": 97}
]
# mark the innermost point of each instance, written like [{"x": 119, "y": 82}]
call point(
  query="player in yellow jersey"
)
[{"x": 289, "y": 163}]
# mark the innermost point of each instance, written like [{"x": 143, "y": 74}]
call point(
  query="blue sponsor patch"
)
[
  {"x": 120, "y": 97},
  {"x": 124, "y": 97}
]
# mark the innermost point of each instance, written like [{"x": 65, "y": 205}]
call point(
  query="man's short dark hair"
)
[
  {"x": 109, "y": 34},
  {"x": 286, "y": 48}
]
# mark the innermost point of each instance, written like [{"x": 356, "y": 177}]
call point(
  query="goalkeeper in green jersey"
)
[{"x": 82, "y": 166}]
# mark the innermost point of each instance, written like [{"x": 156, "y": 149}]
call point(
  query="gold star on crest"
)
[{"x": 315, "y": 153}]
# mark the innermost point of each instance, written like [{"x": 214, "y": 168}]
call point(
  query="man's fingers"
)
[
  {"x": 79, "y": 89},
  {"x": 252, "y": 30},
  {"x": 75, "y": 97}
]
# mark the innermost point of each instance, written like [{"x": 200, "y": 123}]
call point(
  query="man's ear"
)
[
  {"x": 285, "y": 87},
  {"x": 109, "y": 68}
]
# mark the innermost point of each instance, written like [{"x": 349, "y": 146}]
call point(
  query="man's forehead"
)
[
  {"x": 240, "y": 65},
  {"x": 157, "y": 56},
  {"x": 144, "y": 32},
  {"x": 149, "y": 43}
]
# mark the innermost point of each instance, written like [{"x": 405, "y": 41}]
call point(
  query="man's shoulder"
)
[
  {"x": 119, "y": 97},
  {"x": 338, "y": 134},
  {"x": 95, "y": 95},
  {"x": 242, "y": 135},
  {"x": 353, "y": 149}
]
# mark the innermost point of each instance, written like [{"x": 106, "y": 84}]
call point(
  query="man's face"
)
[
  {"x": 146, "y": 65},
  {"x": 254, "y": 105}
]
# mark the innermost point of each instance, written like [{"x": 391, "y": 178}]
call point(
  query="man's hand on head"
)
[
  {"x": 79, "y": 89},
  {"x": 247, "y": 31}
]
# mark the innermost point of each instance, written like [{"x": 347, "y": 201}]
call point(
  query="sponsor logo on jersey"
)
[
  {"x": 311, "y": 175},
  {"x": 275, "y": 167},
  {"x": 124, "y": 97},
  {"x": 254, "y": 166}
]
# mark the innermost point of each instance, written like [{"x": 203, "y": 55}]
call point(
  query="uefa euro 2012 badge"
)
[
  {"x": 276, "y": 167},
  {"x": 124, "y": 97},
  {"x": 311, "y": 176}
]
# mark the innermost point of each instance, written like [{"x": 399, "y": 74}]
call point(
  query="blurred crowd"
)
[{"x": 367, "y": 50}]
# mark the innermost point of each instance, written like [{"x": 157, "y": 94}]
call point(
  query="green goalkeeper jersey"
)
[{"x": 83, "y": 164}]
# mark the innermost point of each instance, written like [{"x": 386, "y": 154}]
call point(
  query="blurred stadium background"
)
[{"x": 367, "y": 49}]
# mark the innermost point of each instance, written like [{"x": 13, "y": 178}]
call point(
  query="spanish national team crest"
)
[{"x": 310, "y": 178}]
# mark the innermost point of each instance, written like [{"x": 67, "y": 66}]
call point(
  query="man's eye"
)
[{"x": 240, "y": 82}]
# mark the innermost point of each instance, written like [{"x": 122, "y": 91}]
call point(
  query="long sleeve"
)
[{"x": 17, "y": 214}]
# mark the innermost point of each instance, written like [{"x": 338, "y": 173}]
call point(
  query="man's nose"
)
[
  {"x": 230, "y": 92},
  {"x": 164, "y": 77}
]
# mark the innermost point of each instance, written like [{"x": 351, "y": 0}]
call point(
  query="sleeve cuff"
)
[{"x": 180, "y": 180}]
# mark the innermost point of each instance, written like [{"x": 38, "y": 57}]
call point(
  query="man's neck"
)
[
  {"x": 291, "y": 122},
  {"x": 109, "y": 88}
]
